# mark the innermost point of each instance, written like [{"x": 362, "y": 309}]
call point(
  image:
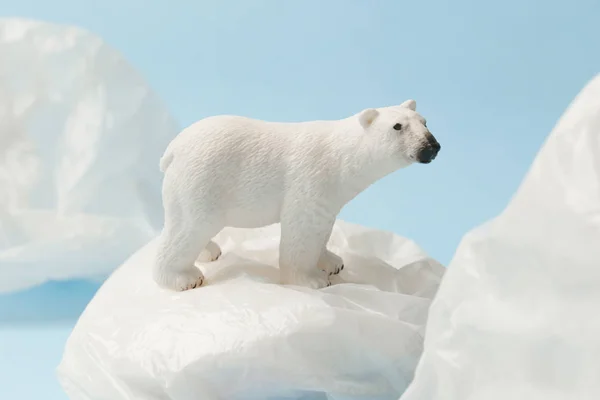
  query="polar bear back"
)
[
  {"x": 235, "y": 141},
  {"x": 247, "y": 165}
]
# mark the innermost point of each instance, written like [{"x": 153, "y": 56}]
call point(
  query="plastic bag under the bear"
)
[{"x": 243, "y": 336}]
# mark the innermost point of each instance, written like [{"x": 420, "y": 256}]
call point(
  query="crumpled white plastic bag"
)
[
  {"x": 518, "y": 314},
  {"x": 245, "y": 337},
  {"x": 80, "y": 138}
]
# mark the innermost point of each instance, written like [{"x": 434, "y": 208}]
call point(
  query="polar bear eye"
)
[{"x": 398, "y": 127}]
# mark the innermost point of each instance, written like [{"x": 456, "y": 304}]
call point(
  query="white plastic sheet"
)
[
  {"x": 518, "y": 314},
  {"x": 80, "y": 136},
  {"x": 245, "y": 337}
]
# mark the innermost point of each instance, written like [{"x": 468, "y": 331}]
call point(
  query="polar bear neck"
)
[{"x": 360, "y": 165}]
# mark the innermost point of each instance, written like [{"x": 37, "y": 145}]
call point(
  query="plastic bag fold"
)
[
  {"x": 516, "y": 316},
  {"x": 80, "y": 136},
  {"x": 244, "y": 336}
]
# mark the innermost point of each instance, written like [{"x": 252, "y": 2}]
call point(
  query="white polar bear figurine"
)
[{"x": 240, "y": 172}]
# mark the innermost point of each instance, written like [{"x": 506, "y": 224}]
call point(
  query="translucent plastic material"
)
[
  {"x": 80, "y": 139},
  {"x": 245, "y": 337},
  {"x": 518, "y": 314}
]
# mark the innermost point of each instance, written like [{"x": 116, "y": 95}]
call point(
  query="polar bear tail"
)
[{"x": 165, "y": 160}]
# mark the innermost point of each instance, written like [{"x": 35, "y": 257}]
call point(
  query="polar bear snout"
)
[{"x": 428, "y": 150}]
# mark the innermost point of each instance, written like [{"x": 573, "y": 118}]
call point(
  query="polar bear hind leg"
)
[
  {"x": 211, "y": 252},
  {"x": 174, "y": 267},
  {"x": 186, "y": 235}
]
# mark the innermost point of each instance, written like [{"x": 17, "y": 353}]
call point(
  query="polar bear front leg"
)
[
  {"x": 304, "y": 235},
  {"x": 331, "y": 263}
]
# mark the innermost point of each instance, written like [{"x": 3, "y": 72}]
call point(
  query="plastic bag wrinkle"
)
[
  {"x": 515, "y": 315},
  {"x": 244, "y": 336},
  {"x": 81, "y": 134}
]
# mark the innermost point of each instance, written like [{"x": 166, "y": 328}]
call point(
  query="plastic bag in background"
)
[
  {"x": 80, "y": 139},
  {"x": 242, "y": 336},
  {"x": 517, "y": 316}
]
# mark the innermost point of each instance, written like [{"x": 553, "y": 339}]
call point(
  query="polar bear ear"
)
[
  {"x": 410, "y": 104},
  {"x": 366, "y": 117}
]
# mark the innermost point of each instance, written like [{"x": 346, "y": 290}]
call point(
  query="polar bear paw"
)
[
  {"x": 314, "y": 280},
  {"x": 212, "y": 252},
  {"x": 180, "y": 281},
  {"x": 331, "y": 263}
]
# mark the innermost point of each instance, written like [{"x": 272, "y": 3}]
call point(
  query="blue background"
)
[{"x": 491, "y": 78}]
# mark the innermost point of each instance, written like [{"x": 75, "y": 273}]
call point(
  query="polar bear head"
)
[{"x": 400, "y": 132}]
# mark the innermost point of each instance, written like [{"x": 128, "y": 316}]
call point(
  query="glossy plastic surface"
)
[
  {"x": 81, "y": 134},
  {"x": 517, "y": 316},
  {"x": 243, "y": 336}
]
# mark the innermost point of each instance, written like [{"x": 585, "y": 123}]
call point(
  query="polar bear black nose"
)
[{"x": 429, "y": 151}]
